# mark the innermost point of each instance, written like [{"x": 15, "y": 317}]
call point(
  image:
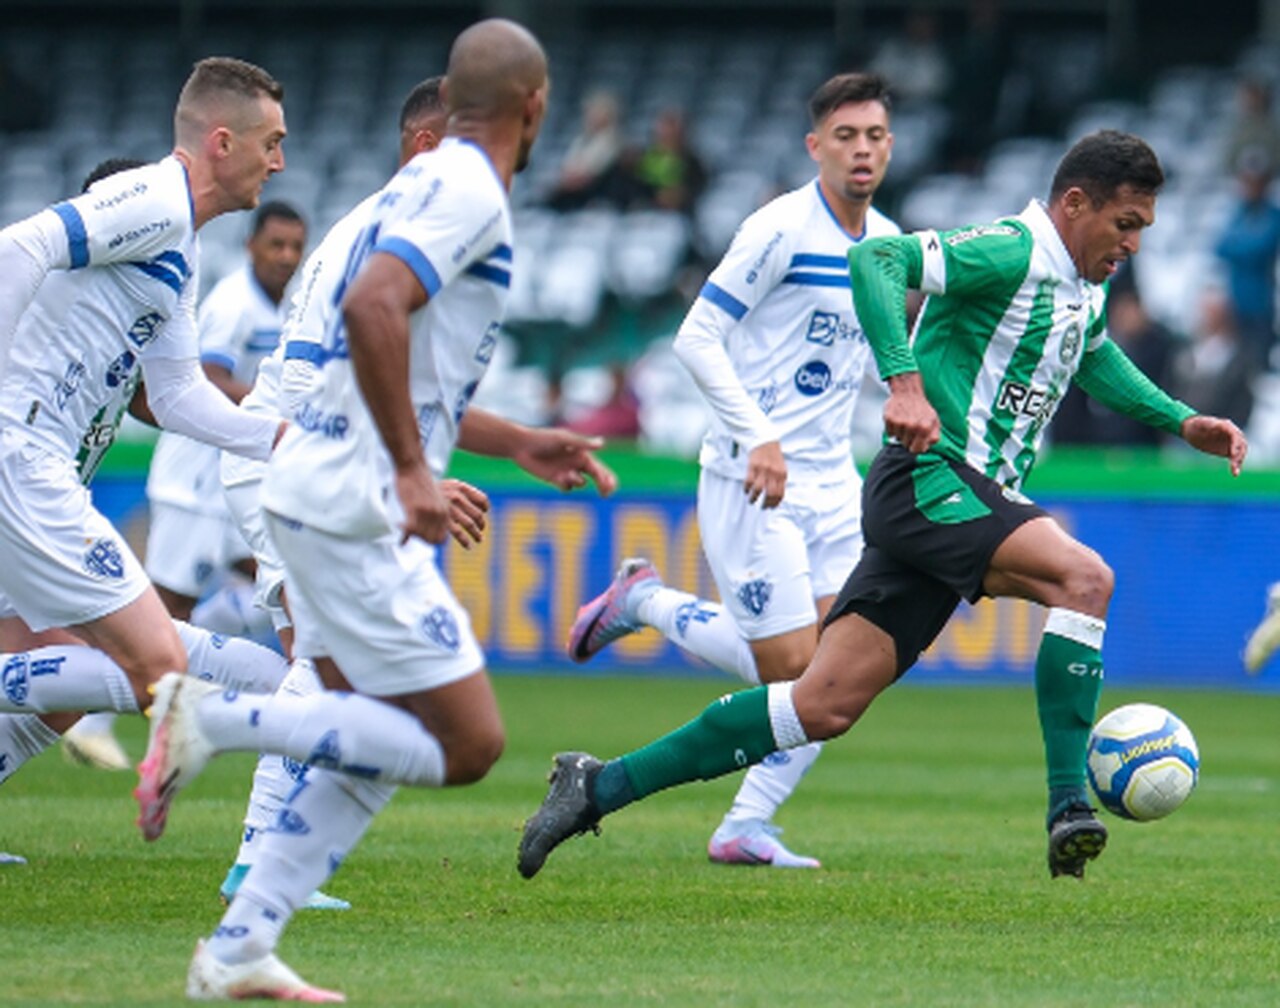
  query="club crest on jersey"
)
[
  {"x": 1070, "y": 348},
  {"x": 144, "y": 330},
  {"x": 16, "y": 678},
  {"x": 755, "y": 595},
  {"x": 813, "y": 378},
  {"x": 104, "y": 560},
  {"x": 441, "y": 628},
  {"x": 767, "y": 399},
  {"x": 118, "y": 370}
]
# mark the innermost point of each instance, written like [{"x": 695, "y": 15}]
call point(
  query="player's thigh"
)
[
  {"x": 380, "y": 609},
  {"x": 185, "y": 548},
  {"x": 140, "y": 638},
  {"x": 758, "y": 558},
  {"x": 463, "y": 716},
  {"x": 1042, "y": 562},
  {"x": 61, "y": 562},
  {"x": 15, "y": 635}
]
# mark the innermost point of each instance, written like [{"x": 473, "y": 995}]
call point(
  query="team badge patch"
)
[
  {"x": 104, "y": 560},
  {"x": 441, "y": 628},
  {"x": 754, "y": 595},
  {"x": 16, "y": 679}
]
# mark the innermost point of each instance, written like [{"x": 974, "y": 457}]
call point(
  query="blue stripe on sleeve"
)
[
  {"x": 816, "y": 280},
  {"x": 222, "y": 360},
  {"x": 164, "y": 274},
  {"x": 814, "y": 259},
  {"x": 412, "y": 256},
  {"x": 305, "y": 350},
  {"x": 502, "y": 252},
  {"x": 77, "y": 235},
  {"x": 177, "y": 261},
  {"x": 721, "y": 298},
  {"x": 493, "y": 274}
]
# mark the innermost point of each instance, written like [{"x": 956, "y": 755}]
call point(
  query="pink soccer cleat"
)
[{"x": 612, "y": 614}]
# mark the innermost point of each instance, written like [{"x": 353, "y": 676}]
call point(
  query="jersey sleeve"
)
[
  {"x": 975, "y": 262},
  {"x": 755, "y": 262},
  {"x": 1108, "y": 375},
  {"x": 881, "y": 270},
  {"x": 130, "y": 216},
  {"x": 220, "y": 323}
]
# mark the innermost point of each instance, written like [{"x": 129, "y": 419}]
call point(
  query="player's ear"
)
[{"x": 811, "y": 144}]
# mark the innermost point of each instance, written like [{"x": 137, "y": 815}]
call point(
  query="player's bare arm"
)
[
  {"x": 556, "y": 456},
  {"x": 376, "y": 312},
  {"x": 1216, "y": 436}
]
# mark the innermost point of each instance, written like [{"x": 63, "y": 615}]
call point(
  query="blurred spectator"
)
[
  {"x": 668, "y": 175},
  {"x": 1249, "y": 246},
  {"x": 913, "y": 62},
  {"x": 1082, "y": 420},
  {"x": 1254, "y": 134},
  {"x": 618, "y": 416},
  {"x": 980, "y": 63},
  {"x": 1214, "y": 373},
  {"x": 589, "y": 172}
]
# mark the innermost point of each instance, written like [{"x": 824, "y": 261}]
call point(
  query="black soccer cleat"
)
[
  {"x": 1076, "y": 836},
  {"x": 566, "y": 811}
]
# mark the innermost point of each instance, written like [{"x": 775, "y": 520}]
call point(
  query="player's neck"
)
[
  {"x": 204, "y": 191},
  {"x": 851, "y": 215},
  {"x": 497, "y": 139}
]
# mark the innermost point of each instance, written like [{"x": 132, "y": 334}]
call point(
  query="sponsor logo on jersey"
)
[
  {"x": 755, "y": 595},
  {"x": 104, "y": 560},
  {"x": 69, "y": 385},
  {"x": 813, "y": 378},
  {"x": 464, "y": 398},
  {"x": 137, "y": 189},
  {"x": 441, "y": 628},
  {"x": 980, "y": 231},
  {"x": 16, "y": 679},
  {"x": 1014, "y": 496},
  {"x": 136, "y": 234},
  {"x": 143, "y": 331},
  {"x": 753, "y": 274},
  {"x": 316, "y": 421},
  {"x": 433, "y": 190},
  {"x": 461, "y": 251},
  {"x": 488, "y": 343},
  {"x": 827, "y": 327},
  {"x": 427, "y": 421},
  {"x": 779, "y": 758},
  {"x": 1071, "y": 340},
  {"x": 1026, "y": 400},
  {"x": 118, "y": 370}
]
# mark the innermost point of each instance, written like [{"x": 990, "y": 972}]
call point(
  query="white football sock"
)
[
  {"x": 275, "y": 776},
  {"x": 63, "y": 678},
  {"x": 769, "y": 783},
  {"x": 231, "y": 610},
  {"x": 339, "y": 731},
  {"x": 231, "y": 661},
  {"x": 702, "y": 628},
  {"x": 22, "y": 737},
  {"x": 322, "y": 821},
  {"x": 99, "y": 723}
]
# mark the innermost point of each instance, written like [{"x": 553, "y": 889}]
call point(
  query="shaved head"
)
[{"x": 494, "y": 66}]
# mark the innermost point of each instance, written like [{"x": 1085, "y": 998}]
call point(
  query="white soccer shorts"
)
[
  {"x": 380, "y": 609},
  {"x": 187, "y": 550},
  {"x": 244, "y": 503},
  {"x": 61, "y": 561},
  {"x": 770, "y": 565}
]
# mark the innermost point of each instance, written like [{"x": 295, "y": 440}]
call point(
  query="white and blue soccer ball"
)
[{"x": 1143, "y": 761}]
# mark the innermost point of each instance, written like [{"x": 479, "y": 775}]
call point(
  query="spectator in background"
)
[
  {"x": 1249, "y": 246},
  {"x": 667, "y": 174},
  {"x": 1214, "y": 373},
  {"x": 590, "y": 172},
  {"x": 1082, "y": 419},
  {"x": 1254, "y": 132},
  {"x": 913, "y": 61}
]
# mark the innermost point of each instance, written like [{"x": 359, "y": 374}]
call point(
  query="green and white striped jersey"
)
[{"x": 1007, "y": 325}]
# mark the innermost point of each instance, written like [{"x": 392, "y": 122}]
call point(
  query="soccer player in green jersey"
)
[{"x": 1015, "y": 312}]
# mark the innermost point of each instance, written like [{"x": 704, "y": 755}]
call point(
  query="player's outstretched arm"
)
[
  {"x": 1216, "y": 436},
  {"x": 556, "y": 456}
]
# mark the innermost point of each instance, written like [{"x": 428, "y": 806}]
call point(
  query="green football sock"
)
[
  {"x": 732, "y": 733},
  {"x": 1068, "y": 684}
]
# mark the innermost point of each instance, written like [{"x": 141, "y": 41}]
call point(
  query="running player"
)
[
  {"x": 354, "y": 508},
  {"x": 775, "y": 346},
  {"x": 1015, "y": 312}
]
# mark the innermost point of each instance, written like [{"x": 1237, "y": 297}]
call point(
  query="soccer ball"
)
[{"x": 1143, "y": 761}]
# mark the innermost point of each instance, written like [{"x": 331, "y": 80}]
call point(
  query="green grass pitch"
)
[{"x": 928, "y": 817}]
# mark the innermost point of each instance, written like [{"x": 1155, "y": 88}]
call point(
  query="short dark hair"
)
[
  {"x": 1102, "y": 162},
  {"x": 422, "y": 101},
  {"x": 227, "y": 74},
  {"x": 277, "y": 210},
  {"x": 848, "y": 89},
  {"x": 109, "y": 167}
]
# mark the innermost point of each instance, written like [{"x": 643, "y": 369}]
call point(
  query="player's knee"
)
[
  {"x": 470, "y": 761},
  {"x": 1090, "y": 584}
]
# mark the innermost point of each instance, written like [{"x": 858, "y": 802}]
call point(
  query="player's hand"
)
[
  {"x": 565, "y": 460},
  {"x": 426, "y": 510},
  {"x": 467, "y": 508},
  {"x": 766, "y": 474},
  {"x": 908, "y": 415},
  {"x": 1216, "y": 436}
]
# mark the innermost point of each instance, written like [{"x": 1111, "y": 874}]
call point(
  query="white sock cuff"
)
[
  {"x": 783, "y": 719},
  {"x": 1076, "y": 626}
]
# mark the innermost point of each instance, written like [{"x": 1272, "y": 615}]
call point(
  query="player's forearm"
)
[
  {"x": 483, "y": 433},
  {"x": 702, "y": 352},
  {"x": 881, "y": 271},
  {"x": 1108, "y": 375},
  {"x": 378, "y": 342}
]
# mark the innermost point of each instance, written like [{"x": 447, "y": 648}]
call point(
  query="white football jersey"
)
[
  {"x": 791, "y": 332},
  {"x": 239, "y": 326},
  {"x": 79, "y": 344},
  {"x": 445, "y": 215},
  {"x": 308, "y": 317}
]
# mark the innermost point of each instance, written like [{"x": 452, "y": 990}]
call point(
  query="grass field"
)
[{"x": 934, "y": 891}]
